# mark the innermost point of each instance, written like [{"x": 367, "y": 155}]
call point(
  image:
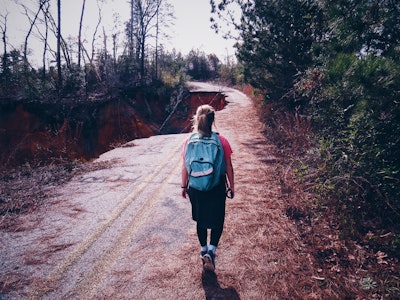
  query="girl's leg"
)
[
  {"x": 202, "y": 235},
  {"x": 215, "y": 236},
  {"x": 209, "y": 258}
]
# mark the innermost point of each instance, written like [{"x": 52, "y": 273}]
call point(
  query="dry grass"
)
[{"x": 12, "y": 282}]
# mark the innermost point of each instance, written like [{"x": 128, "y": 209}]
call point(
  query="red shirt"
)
[{"x": 226, "y": 146}]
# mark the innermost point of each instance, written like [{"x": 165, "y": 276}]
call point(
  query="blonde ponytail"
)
[{"x": 204, "y": 119}]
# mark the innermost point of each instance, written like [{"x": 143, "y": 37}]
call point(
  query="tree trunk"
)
[
  {"x": 114, "y": 37},
  {"x": 157, "y": 33},
  {"x": 32, "y": 24},
  {"x": 59, "y": 45},
  {"x": 130, "y": 30},
  {"x": 106, "y": 71},
  {"x": 45, "y": 12},
  {"x": 80, "y": 34},
  {"x": 6, "y": 70},
  {"x": 4, "y": 38}
]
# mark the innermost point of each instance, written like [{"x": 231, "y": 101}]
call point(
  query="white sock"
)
[
  {"x": 212, "y": 248},
  {"x": 204, "y": 249}
]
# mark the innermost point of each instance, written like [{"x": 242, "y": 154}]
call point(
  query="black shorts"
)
[{"x": 208, "y": 208}]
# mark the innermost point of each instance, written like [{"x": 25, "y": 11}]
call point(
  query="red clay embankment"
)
[{"x": 40, "y": 133}]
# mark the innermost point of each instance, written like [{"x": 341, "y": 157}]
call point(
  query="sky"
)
[{"x": 190, "y": 31}]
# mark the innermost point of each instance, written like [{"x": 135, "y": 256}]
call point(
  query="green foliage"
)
[
  {"x": 231, "y": 73},
  {"x": 172, "y": 68},
  {"x": 199, "y": 66},
  {"x": 277, "y": 45},
  {"x": 74, "y": 80},
  {"x": 368, "y": 283},
  {"x": 360, "y": 110},
  {"x": 370, "y": 27},
  {"x": 302, "y": 171}
]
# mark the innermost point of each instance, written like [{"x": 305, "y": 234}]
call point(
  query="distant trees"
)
[
  {"x": 79, "y": 67},
  {"x": 147, "y": 17},
  {"x": 201, "y": 66},
  {"x": 68, "y": 76}
]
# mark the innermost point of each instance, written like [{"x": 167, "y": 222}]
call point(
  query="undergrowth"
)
[{"x": 356, "y": 247}]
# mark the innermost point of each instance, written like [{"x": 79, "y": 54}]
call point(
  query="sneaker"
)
[
  {"x": 209, "y": 261},
  {"x": 202, "y": 253}
]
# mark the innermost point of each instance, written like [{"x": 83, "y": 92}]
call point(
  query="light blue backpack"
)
[{"x": 204, "y": 161}]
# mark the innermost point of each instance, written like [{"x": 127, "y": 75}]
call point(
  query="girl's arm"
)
[
  {"x": 184, "y": 179},
  {"x": 230, "y": 175}
]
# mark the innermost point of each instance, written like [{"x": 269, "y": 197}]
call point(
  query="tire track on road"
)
[
  {"x": 88, "y": 287},
  {"x": 85, "y": 245}
]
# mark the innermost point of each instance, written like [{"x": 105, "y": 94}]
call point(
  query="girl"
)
[{"x": 208, "y": 207}]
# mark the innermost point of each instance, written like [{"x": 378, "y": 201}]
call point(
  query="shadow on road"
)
[{"x": 214, "y": 291}]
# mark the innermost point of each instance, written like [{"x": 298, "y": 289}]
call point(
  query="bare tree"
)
[
  {"x": 114, "y": 38},
  {"x": 130, "y": 29},
  {"x": 32, "y": 24},
  {"x": 116, "y": 32},
  {"x": 59, "y": 44},
  {"x": 62, "y": 45},
  {"x": 5, "y": 67},
  {"x": 141, "y": 25},
  {"x": 51, "y": 26},
  {"x": 45, "y": 13},
  {"x": 157, "y": 35},
  {"x": 165, "y": 18},
  {"x": 146, "y": 17},
  {"x": 80, "y": 34},
  {"x": 90, "y": 57},
  {"x": 106, "y": 60},
  {"x": 147, "y": 14},
  {"x": 3, "y": 27}
]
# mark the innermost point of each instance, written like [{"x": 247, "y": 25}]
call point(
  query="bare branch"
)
[
  {"x": 80, "y": 33},
  {"x": 95, "y": 33},
  {"x": 32, "y": 23},
  {"x": 3, "y": 27}
]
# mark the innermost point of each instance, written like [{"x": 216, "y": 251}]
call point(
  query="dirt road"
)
[{"x": 124, "y": 232}]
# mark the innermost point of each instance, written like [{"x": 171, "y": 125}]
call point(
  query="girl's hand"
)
[{"x": 230, "y": 193}]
